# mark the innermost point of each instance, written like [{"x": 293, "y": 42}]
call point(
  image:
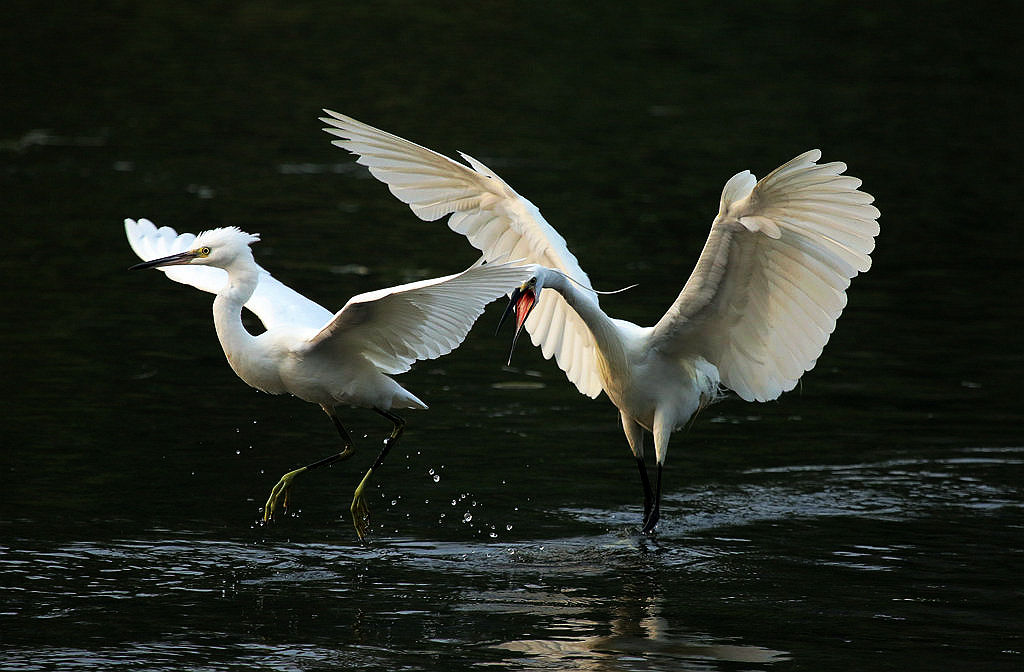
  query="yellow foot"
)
[
  {"x": 280, "y": 494},
  {"x": 359, "y": 509}
]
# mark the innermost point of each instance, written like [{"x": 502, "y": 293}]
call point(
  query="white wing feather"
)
[
  {"x": 771, "y": 281},
  {"x": 397, "y": 326},
  {"x": 497, "y": 221},
  {"x": 276, "y": 304}
]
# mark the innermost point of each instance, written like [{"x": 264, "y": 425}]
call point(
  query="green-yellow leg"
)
[
  {"x": 281, "y": 492},
  {"x": 360, "y": 510}
]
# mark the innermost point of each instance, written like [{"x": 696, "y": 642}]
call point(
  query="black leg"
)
[
  {"x": 399, "y": 427},
  {"x": 360, "y": 510},
  {"x": 646, "y": 483},
  {"x": 349, "y": 450},
  {"x": 652, "y": 520}
]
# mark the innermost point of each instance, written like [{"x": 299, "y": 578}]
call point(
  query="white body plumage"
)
[{"x": 323, "y": 358}]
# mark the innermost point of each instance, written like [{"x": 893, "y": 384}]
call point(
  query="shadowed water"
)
[
  {"x": 809, "y": 560},
  {"x": 871, "y": 519}
]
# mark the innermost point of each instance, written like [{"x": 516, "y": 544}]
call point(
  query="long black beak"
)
[
  {"x": 520, "y": 304},
  {"x": 172, "y": 260},
  {"x": 510, "y": 309}
]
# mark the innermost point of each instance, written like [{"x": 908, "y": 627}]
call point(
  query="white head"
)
[
  {"x": 216, "y": 247},
  {"x": 524, "y": 298}
]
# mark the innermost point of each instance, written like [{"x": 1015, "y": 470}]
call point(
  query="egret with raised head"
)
[
  {"x": 341, "y": 359},
  {"x": 754, "y": 315}
]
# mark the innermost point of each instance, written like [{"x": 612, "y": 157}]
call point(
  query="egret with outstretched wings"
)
[{"x": 754, "y": 315}]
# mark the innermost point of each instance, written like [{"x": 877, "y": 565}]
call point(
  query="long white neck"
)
[
  {"x": 606, "y": 332},
  {"x": 234, "y": 338}
]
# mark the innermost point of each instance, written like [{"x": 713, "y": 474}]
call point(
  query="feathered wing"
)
[
  {"x": 771, "y": 281},
  {"x": 276, "y": 304},
  {"x": 397, "y": 326},
  {"x": 497, "y": 221}
]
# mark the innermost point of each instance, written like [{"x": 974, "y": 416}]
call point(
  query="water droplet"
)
[
  {"x": 508, "y": 527},
  {"x": 437, "y": 478},
  {"x": 430, "y": 471},
  {"x": 467, "y": 516},
  {"x": 393, "y": 502},
  {"x": 238, "y": 452},
  {"x": 454, "y": 502},
  {"x": 494, "y": 535}
]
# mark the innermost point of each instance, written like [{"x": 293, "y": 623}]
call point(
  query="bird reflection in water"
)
[{"x": 638, "y": 633}]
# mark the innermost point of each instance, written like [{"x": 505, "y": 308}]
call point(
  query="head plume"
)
[{"x": 225, "y": 236}]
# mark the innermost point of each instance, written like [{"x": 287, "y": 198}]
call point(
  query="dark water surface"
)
[{"x": 872, "y": 519}]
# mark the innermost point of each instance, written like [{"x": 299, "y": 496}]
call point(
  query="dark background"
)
[{"x": 870, "y": 519}]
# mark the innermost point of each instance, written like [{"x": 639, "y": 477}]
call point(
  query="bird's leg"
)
[
  {"x": 360, "y": 510},
  {"x": 645, "y": 481},
  {"x": 282, "y": 491},
  {"x": 635, "y": 436},
  {"x": 651, "y": 519}
]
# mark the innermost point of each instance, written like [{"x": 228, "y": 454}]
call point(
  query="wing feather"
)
[
  {"x": 397, "y": 326},
  {"x": 771, "y": 281},
  {"x": 494, "y": 218},
  {"x": 276, "y": 304}
]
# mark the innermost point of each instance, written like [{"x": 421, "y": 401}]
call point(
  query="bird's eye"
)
[{"x": 204, "y": 251}]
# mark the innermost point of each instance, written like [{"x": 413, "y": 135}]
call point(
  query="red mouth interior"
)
[{"x": 523, "y": 307}]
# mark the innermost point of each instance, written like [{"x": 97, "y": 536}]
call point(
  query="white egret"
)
[
  {"x": 345, "y": 358},
  {"x": 753, "y": 316}
]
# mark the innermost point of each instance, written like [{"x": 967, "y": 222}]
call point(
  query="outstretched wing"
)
[
  {"x": 397, "y": 326},
  {"x": 497, "y": 221},
  {"x": 276, "y": 304},
  {"x": 771, "y": 281}
]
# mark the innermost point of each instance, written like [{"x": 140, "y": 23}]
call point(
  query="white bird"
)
[
  {"x": 344, "y": 358},
  {"x": 753, "y": 316}
]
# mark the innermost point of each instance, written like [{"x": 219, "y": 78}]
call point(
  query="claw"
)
[
  {"x": 360, "y": 518},
  {"x": 359, "y": 509},
  {"x": 281, "y": 493}
]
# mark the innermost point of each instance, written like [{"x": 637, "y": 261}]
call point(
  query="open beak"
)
[
  {"x": 172, "y": 260},
  {"x": 521, "y": 304}
]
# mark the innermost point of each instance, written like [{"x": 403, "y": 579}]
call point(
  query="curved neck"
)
[
  {"x": 587, "y": 307},
  {"x": 234, "y": 338}
]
